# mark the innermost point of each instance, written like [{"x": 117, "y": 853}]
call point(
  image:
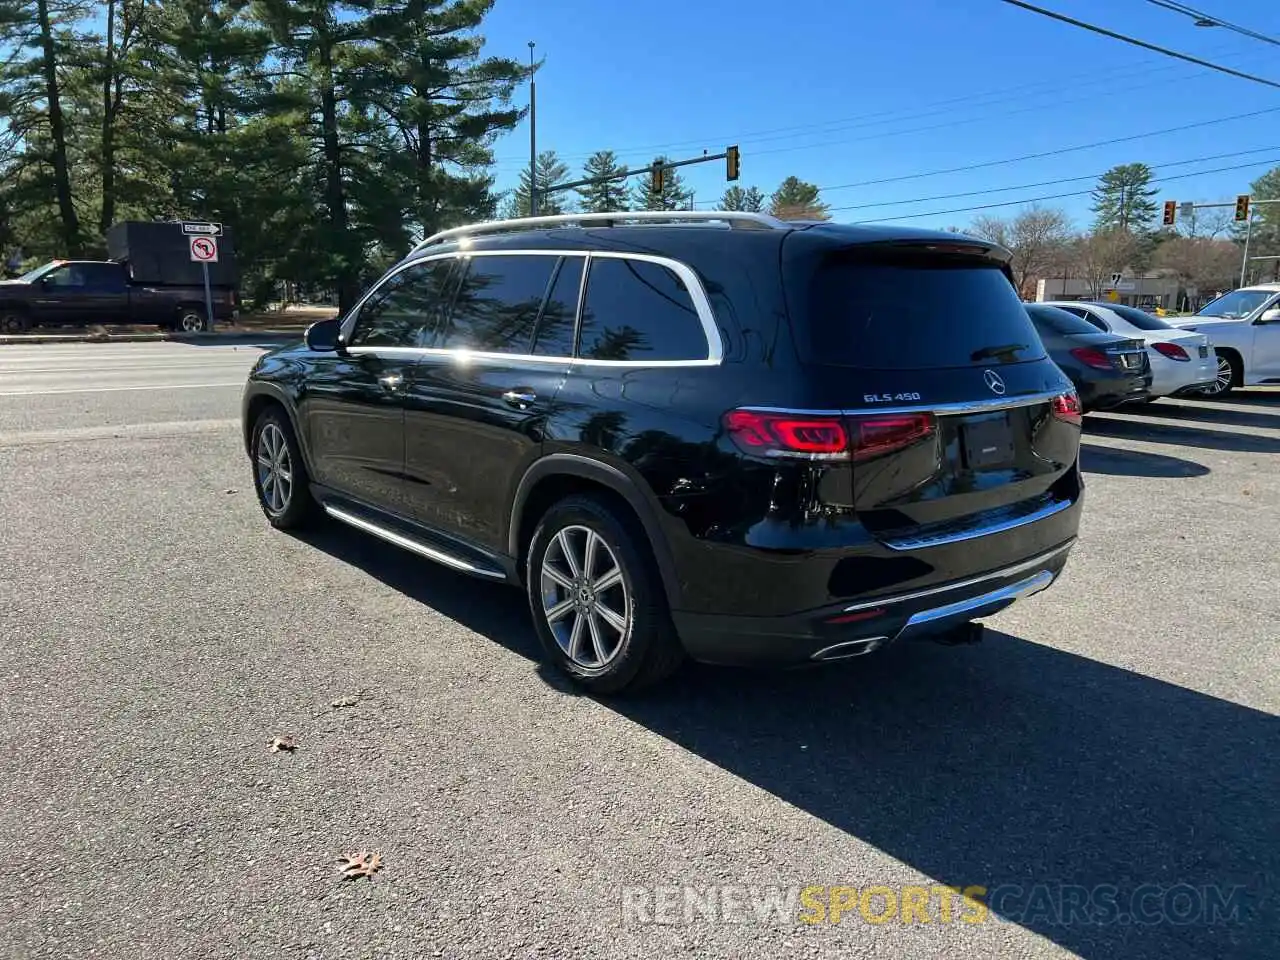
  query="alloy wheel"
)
[
  {"x": 1225, "y": 377},
  {"x": 275, "y": 469},
  {"x": 192, "y": 322},
  {"x": 584, "y": 597}
]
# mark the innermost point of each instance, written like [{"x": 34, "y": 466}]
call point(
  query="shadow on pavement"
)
[
  {"x": 1234, "y": 417},
  {"x": 1188, "y": 436},
  {"x": 1132, "y": 463},
  {"x": 1043, "y": 776}
]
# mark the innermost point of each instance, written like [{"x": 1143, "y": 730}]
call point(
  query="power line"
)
[
  {"x": 1140, "y": 43},
  {"x": 1208, "y": 20},
  {"x": 1049, "y": 183},
  {"x": 886, "y": 116},
  {"x": 986, "y": 164},
  {"x": 1052, "y": 196}
]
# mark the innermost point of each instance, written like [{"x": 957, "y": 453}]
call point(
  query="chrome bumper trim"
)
[
  {"x": 985, "y": 530},
  {"x": 962, "y": 584},
  {"x": 973, "y": 606}
]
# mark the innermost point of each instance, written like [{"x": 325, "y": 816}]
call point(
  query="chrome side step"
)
[{"x": 413, "y": 546}]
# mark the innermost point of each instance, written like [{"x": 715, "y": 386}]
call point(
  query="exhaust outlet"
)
[{"x": 851, "y": 648}]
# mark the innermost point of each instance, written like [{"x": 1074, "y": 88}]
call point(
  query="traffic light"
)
[
  {"x": 1170, "y": 212},
  {"x": 657, "y": 179},
  {"x": 731, "y": 163},
  {"x": 1242, "y": 207}
]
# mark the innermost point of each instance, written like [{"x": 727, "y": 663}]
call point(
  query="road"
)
[{"x": 1118, "y": 730}]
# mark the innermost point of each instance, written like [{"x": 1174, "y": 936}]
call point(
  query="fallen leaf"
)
[
  {"x": 344, "y": 702},
  {"x": 361, "y": 865},
  {"x": 283, "y": 743}
]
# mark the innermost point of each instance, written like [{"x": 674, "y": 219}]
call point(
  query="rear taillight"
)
[
  {"x": 1066, "y": 407},
  {"x": 809, "y": 437},
  {"x": 875, "y": 435},
  {"x": 1093, "y": 357},
  {"x": 1172, "y": 351},
  {"x": 787, "y": 435}
]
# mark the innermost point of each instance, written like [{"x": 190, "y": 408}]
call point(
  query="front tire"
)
[
  {"x": 597, "y": 599},
  {"x": 279, "y": 475},
  {"x": 189, "y": 321},
  {"x": 13, "y": 322}
]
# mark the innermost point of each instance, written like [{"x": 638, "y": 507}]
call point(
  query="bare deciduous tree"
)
[
  {"x": 1101, "y": 253},
  {"x": 1036, "y": 237}
]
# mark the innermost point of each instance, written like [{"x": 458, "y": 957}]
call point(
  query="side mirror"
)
[
  {"x": 1270, "y": 316},
  {"x": 322, "y": 336}
]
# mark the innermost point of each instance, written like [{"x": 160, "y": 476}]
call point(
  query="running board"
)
[{"x": 449, "y": 560}]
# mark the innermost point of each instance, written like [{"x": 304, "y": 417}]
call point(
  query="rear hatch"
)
[{"x": 959, "y": 422}]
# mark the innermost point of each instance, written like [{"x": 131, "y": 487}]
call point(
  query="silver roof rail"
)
[{"x": 734, "y": 218}]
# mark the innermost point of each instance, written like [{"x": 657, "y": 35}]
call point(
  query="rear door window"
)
[
  {"x": 911, "y": 314},
  {"x": 497, "y": 305},
  {"x": 637, "y": 310}
]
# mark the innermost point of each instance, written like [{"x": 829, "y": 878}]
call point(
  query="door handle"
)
[
  {"x": 519, "y": 398},
  {"x": 391, "y": 381}
]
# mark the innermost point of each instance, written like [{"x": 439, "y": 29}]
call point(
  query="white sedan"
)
[{"x": 1181, "y": 361}]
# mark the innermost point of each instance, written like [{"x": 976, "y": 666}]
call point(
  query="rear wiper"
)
[{"x": 986, "y": 353}]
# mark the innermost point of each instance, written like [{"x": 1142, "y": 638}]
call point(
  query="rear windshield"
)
[
  {"x": 1059, "y": 321},
  {"x": 914, "y": 314},
  {"x": 1138, "y": 318}
]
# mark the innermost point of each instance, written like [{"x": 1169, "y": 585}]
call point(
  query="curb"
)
[{"x": 273, "y": 337}]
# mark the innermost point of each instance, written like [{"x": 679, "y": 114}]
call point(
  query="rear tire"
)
[
  {"x": 279, "y": 474},
  {"x": 1230, "y": 376},
  {"x": 597, "y": 599}
]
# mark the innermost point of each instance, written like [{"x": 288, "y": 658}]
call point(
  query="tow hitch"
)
[{"x": 964, "y": 633}]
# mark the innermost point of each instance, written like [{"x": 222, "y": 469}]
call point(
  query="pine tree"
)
[
  {"x": 609, "y": 195},
  {"x": 672, "y": 196},
  {"x": 1125, "y": 199},
  {"x": 549, "y": 170},
  {"x": 797, "y": 200},
  {"x": 735, "y": 198}
]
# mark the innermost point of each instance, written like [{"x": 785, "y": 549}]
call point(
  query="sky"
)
[{"x": 843, "y": 92}]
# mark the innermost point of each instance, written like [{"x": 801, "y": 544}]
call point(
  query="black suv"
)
[{"x": 716, "y": 435}]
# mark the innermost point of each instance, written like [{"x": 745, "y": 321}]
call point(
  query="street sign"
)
[
  {"x": 204, "y": 249},
  {"x": 1187, "y": 210},
  {"x": 1116, "y": 278},
  {"x": 201, "y": 229},
  {"x": 1113, "y": 296}
]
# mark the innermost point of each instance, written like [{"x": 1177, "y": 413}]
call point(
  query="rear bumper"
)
[
  {"x": 1171, "y": 378},
  {"x": 847, "y": 630},
  {"x": 1106, "y": 392}
]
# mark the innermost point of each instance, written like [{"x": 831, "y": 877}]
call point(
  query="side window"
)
[
  {"x": 69, "y": 277},
  {"x": 104, "y": 278},
  {"x": 497, "y": 305},
  {"x": 1096, "y": 320},
  {"x": 636, "y": 310},
  {"x": 555, "y": 330},
  {"x": 404, "y": 310}
]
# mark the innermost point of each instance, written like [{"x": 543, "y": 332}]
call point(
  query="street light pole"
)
[{"x": 533, "y": 137}]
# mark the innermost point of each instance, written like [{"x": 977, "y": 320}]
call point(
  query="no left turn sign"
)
[{"x": 204, "y": 249}]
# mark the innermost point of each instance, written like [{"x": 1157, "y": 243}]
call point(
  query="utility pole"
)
[{"x": 533, "y": 138}]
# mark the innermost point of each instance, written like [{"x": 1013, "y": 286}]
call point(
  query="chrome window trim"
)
[
  {"x": 964, "y": 584},
  {"x": 693, "y": 284},
  {"x": 940, "y": 409}
]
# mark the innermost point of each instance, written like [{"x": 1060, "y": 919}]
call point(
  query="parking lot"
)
[{"x": 1119, "y": 730}]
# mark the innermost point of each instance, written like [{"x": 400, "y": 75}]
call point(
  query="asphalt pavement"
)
[{"x": 1117, "y": 732}]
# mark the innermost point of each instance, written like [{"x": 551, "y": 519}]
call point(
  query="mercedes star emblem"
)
[{"x": 994, "y": 382}]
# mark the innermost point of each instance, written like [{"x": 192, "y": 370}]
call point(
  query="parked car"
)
[
  {"x": 1244, "y": 326},
  {"x": 714, "y": 435},
  {"x": 101, "y": 291},
  {"x": 1107, "y": 370},
  {"x": 1181, "y": 361}
]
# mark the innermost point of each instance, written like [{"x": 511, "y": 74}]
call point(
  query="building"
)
[{"x": 1145, "y": 293}]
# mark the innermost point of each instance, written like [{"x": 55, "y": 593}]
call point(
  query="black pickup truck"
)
[{"x": 102, "y": 291}]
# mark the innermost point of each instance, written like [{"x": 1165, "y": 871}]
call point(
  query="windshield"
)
[
  {"x": 1237, "y": 304},
  {"x": 917, "y": 314},
  {"x": 32, "y": 276},
  {"x": 1137, "y": 318}
]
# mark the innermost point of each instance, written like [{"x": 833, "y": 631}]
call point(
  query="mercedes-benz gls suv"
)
[{"x": 717, "y": 436}]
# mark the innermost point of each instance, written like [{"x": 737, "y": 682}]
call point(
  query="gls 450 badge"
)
[{"x": 890, "y": 397}]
